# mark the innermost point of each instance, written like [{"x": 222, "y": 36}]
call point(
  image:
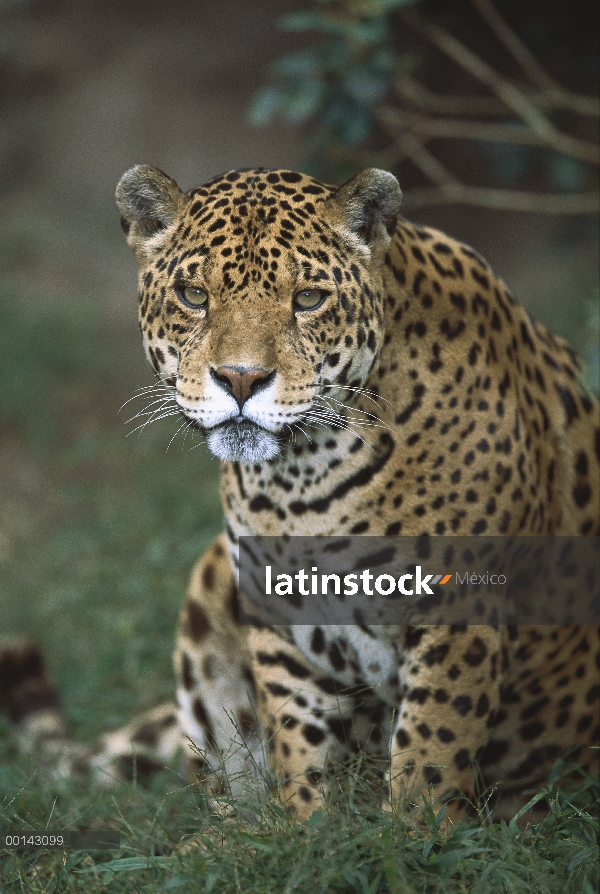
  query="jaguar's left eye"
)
[
  {"x": 309, "y": 299},
  {"x": 193, "y": 297}
]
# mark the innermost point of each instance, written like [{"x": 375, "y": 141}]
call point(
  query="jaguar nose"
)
[{"x": 241, "y": 382}]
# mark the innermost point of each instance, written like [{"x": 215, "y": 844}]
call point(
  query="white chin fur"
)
[{"x": 242, "y": 442}]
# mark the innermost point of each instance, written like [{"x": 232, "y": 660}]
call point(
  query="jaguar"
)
[{"x": 357, "y": 374}]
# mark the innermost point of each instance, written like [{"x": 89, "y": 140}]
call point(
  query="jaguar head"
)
[{"x": 261, "y": 296}]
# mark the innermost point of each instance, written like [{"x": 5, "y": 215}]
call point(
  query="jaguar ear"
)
[
  {"x": 149, "y": 202},
  {"x": 368, "y": 206}
]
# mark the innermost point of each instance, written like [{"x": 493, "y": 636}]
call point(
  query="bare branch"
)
[
  {"x": 422, "y": 158},
  {"x": 425, "y": 99},
  {"x": 501, "y": 199},
  {"x": 409, "y": 88},
  {"x": 448, "y": 128},
  {"x": 537, "y": 75},
  {"x": 450, "y": 191},
  {"x": 583, "y": 105},
  {"x": 512, "y": 96},
  {"x": 521, "y": 107},
  {"x": 573, "y": 102}
]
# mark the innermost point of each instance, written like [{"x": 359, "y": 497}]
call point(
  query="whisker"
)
[
  {"x": 342, "y": 404},
  {"x": 146, "y": 411},
  {"x": 349, "y": 412},
  {"x": 349, "y": 409},
  {"x": 306, "y": 435},
  {"x": 185, "y": 424},
  {"x": 166, "y": 407},
  {"x": 351, "y": 420},
  {"x": 190, "y": 428},
  {"x": 147, "y": 422},
  {"x": 200, "y": 444},
  {"x": 341, "y": 424},
  {"x": 292, "y": 433},
  {"x": 365, "y": 422},
  {"x": 146, "y": 391},
  {"x": 161, "y": 405},
  {"x": 372, "y": 395}
]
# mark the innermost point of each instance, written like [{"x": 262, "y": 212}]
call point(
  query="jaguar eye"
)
[
  {"x": 309, "y": 299},
  {"x": 193, "y": 297}
]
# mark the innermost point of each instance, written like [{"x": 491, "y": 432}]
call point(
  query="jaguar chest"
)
[{"x": 322, "y": 485}]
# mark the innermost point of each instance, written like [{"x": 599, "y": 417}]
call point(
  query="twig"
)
[
  {"x": 501, "y": 199},
  {"x": 504, "y": 33},
  {"x": 425, "y": 99},
  {"x": 422, "y": 158},
  {"x": 584, "y": 105},
  {"x": 450, "y": 191},
  {"x": 524, "y": 124},
  {"x": 512, "y": 96},
  {"x": 449, "y": 128},
  {"x": 409, "y": 88}
]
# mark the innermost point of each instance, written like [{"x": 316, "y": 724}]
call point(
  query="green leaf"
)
[
  {"x": 245, "y": 838},
  {"x": 130, "y": 864},
  {"x": 296, "y": 65},
  {"x": 365, "y": 87},
  {"x": 513, "y": 823},
  {"x": 300, "y": 21},
  {"x": 302, "y": 101},
  {"x": 587, "y": 855},
  {"x": 451, "y": 858},
  {"x": 265, "y": 106},
  {"x": 316, "y": 818},
  {"x": 440, "y": 816}
]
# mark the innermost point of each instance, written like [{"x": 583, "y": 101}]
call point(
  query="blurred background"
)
[{"x": 491, "y": 126}]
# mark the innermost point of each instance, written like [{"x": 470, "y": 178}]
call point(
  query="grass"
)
[
  {"x": 338, "y": 851},
  {"x": 97, "y": 536}
]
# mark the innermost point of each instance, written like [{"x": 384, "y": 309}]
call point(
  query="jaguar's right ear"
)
[{"x": 149, "y": 201}]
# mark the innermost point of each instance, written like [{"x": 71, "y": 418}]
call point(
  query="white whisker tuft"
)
[{"x": 160, "y": 404}]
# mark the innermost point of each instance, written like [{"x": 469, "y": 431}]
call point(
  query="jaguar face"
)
[{"x": 261, "y": 299}]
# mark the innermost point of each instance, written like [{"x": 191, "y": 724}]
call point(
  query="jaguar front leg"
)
[
  {"x": 311, "y": 722},
  {"x": 443, "y": 718},
  {"x": 215, "y": 684}
]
